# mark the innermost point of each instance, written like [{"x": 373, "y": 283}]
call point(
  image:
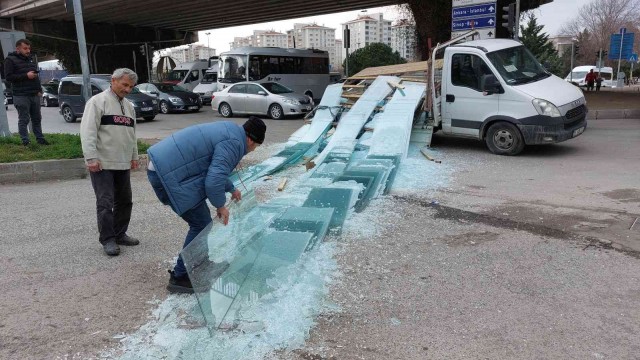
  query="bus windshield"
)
[
  {"x": 276, "y": 88},
  {"x": 177, "y": 75},
  {"x": 234, "y": 68},
  {"x": 517, "y": 65}
]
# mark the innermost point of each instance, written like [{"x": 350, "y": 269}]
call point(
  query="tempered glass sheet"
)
[
  {"x": 273, "y": 251},
  {"x": 379, "y": 173},
  {"x": 363, "y": 196},
  {"x": 392, "y": 175},
  {"x": 222, "y": 252},
  {"x": 393, "y": 127},
  {"x": 305, "y": 219},
  {"x": 341, "y": 199},
  {"x": 351, "y": 122},
  {"x": 329, "y": 169}
]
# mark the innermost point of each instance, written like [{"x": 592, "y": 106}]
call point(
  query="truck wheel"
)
[
  {"x": 68, "y": 114},
  {"x": 504, "y": 138},
  {"x": 225, "y": 110}
]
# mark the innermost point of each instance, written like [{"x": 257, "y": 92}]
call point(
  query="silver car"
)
[{"x": 269, "y": 98}]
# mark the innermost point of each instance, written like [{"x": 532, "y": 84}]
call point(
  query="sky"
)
[{"x": 552, "y": 16}]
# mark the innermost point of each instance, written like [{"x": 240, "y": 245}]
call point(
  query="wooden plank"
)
[
  {"x": 351, "y": 96},
  {"x": 354, "y": 86},
  {"x": 282, "y": 184}
]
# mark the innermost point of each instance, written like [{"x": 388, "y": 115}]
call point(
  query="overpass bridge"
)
[{"x": 115, "y": 29}]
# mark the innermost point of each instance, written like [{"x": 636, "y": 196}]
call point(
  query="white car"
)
[{"x": 269, "y": 98}]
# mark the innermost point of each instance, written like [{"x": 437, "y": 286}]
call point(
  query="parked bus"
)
[{"x": 305, "y": 71}]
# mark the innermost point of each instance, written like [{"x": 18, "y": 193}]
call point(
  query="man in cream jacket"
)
[{"x": 109, "y": 145}]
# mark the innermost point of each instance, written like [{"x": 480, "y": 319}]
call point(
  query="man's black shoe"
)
[
  {"x": 25, "y": 143},
  {"x": 43, "y": 142},
  {"x": 179, "y": 285},
  {"x": 111, "y": 248},
  {"x": 127, "y": 240}
]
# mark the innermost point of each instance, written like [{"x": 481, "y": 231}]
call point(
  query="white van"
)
[
  {"x": 579, "y": 73},
  {"x": 188, "y": 74},
  {"x": 208, "y": 85},
  {"x": 495, "y": 90}
]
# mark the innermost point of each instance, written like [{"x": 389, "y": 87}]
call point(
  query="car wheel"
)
[
  {"x": 276, "y": 112},
  {"x": 45, "y": 102},
  {"x": 68, "y": 114},
  {"x": 225, "y": 110},
  {"x": 164, "y": 107},
  {"x": 504, "y": 138},
  {"x": 149, "y": 118}
]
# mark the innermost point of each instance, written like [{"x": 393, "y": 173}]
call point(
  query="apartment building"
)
[
  {"x": 191, "y": 52},
  {"x": 261, "y": 38},
  {"x": 403, "y": 39},
  {"x": 314, "y": 36},
  {"x": 367, "y": 29},
  {"x": 337, "y": 66}
]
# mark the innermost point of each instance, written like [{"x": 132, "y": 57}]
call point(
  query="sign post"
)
[
  {"x": 632, "y": 59},
  {"x": 622, "y": 31}
]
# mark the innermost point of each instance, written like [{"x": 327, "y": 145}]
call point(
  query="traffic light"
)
[
  {"x": 142, "y": 50},
  {"x": 576, "y": 48},
  {"x": 509, "y": 17}
]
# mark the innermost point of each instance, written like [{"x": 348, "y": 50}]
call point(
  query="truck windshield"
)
[
  {"x": 177, "y": 75},
  {"x": 517, "y": 65},
  {"x": 234, "y": 68}
]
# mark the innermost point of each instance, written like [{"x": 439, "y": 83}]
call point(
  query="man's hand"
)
[
  {"x": 134, "y": 164},
  {"x": 223, "y": 213},
  {"x": 94, "y": 165},
  {"x": 32, "y": 75},
  {"x": 236, "y": 195}
]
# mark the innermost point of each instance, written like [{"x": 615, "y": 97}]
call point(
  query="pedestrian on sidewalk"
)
[
  {"x": 193, "y": 165},
  {"x": 590, "y": 79},
  {"x": 22, "y": 72},
  {"x": 110, "y": 148}
]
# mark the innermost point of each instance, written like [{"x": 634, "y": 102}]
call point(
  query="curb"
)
[
  {"x": 613, "y": 114},
  {"x": 47, "y": 170}
]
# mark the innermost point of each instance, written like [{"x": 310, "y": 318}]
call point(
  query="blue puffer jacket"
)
[{"x": 195, "y": 163}]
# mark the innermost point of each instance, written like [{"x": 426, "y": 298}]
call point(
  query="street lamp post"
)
[{"x": 208, "y": 48}]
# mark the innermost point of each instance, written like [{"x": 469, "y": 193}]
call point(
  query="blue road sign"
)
[
  {"x": 476, "y": 23},
  {"x": 633, "y": 58},
  {"x": 473, "y": 11},
  {"x": 627, "y": 46}
]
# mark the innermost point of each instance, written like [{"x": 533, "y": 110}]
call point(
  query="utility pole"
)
[
  {"x": 347, "y": 43},
  {"x": 82, "y": 47},
  {"x": 208, "y": 48},
  {"x": 572, "y": 54},
  {"x": 517, "y": 29}
]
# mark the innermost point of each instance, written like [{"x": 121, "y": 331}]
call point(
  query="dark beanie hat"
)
[{"x": 255, "y": 129}]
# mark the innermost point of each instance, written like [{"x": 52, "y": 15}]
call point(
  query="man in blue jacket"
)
[{"x": 194, "y": 165}]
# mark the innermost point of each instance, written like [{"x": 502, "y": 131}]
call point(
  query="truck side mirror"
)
[{"x": 490, "y": 85}]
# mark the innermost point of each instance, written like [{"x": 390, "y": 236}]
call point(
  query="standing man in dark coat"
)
[{"x": 22, "y": 72}]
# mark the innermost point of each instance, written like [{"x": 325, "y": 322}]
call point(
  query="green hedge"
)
[{"x": 63, "y": 146}]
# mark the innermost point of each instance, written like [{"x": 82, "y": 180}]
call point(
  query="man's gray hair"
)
[{"x": 119, "y": 73}]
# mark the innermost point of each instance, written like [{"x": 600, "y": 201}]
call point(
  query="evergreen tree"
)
[
  {"x": 374, "y": 54},
  {"x": 538, "y": 43}
]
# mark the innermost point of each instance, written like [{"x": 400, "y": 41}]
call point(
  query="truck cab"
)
[{"x": 495, "y": 90}]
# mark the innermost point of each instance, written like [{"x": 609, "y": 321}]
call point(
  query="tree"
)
[
  {"x": 597, "y": 20},
  {"x": 538, "y": 43},
  {"x": 374, "y": 54}
]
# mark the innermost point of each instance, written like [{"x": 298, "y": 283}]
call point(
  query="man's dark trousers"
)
[
  {"x": 198, "y": 218},
  {"x": 113, "y": 201},
  {"x": 28, "y": 110}
]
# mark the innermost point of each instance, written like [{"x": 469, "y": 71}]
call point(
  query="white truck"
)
[
  {"x": 497, "y": 92},
  {"x": 188, "y": 74},
  {"x": 208, "y": 85}
]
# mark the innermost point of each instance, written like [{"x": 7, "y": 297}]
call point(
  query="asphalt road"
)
[
  {"x": 162, "y": 125},
  {"x": 480, "y": 256}
]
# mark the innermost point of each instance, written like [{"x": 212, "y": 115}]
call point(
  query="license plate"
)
[
  {"x": 147, "y": 108},
  {"x": 193, "y": 107},
  {"x": 577, "y": 132}
]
